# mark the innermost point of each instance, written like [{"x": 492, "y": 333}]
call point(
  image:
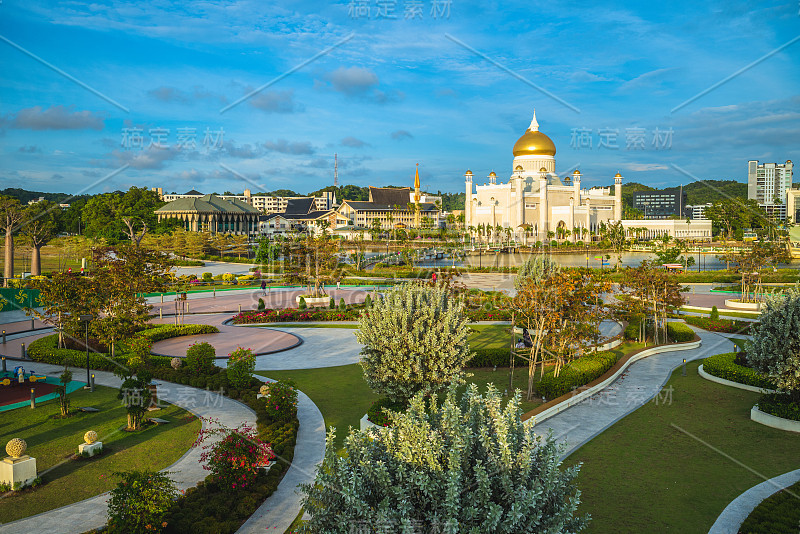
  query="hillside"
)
[{"x": 696, "y": 192}]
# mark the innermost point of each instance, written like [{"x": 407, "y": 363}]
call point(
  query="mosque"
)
[{"x": 535, "y": 200}]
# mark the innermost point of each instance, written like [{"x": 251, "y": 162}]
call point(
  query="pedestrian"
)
[
  {"x": 264, "y": 288},
  {"x": 337, "y": 285}
]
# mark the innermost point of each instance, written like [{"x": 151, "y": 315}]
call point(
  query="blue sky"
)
[{"x": 450, "y": 85}]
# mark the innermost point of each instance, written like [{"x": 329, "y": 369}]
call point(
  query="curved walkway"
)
[
  {"x": 187, "y": 471},
  {"x": 737, "y": 511},
  {"x": 640, "y": 383}
]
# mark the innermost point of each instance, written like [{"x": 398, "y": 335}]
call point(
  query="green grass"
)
[
  {"x": 489, "y": 336},
  {"x": 645, "y": 475},
  {"x": 343, "y": 396},
  {"x": 53, "y": 441}
]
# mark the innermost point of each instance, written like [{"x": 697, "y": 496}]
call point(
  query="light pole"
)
[{"x": 85, "y": 319}]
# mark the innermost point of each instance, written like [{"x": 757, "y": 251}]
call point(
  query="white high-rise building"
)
[{"x": 768, "y": 183}]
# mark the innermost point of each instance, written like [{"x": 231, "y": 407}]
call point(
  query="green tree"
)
[
  {"x": 415, "y": 339},
  {"x": 775, "y": 348},
  {"x": 38, "y": 228},
  {"x": 467, "y": 465},
  {"x": 11, "y": 214}
]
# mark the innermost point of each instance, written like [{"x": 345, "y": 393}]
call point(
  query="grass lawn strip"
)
[
  {"x": 52, "y": 441},
  {"x": 645, "y": 475}
]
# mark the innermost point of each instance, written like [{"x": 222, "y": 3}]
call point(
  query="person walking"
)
[
  {"x": 337, "y": 284},
  {"x": 264, "y": 288}
]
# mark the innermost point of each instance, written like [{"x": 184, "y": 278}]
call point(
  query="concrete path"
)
[
  {"x": 322, "y": 347},
  {"x": 641, "y": 382},
  {"x": 187, "y": 471},
  {"x": 737, "y": 511},
  {"x": 278, "y": 512}
]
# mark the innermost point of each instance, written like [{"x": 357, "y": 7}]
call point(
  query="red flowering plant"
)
[
  {"x": 280, "y": 400},
  {"x": 235, "y": 458}
]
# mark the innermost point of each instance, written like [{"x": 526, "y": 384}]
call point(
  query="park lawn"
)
[
  {"x": 49, "y": 262},
  {"x": 343, "y": 396},
  {"x": 490, "y": 336},
  {"x": 645, "y": 475},
  {"x": 52, "y": 441}
]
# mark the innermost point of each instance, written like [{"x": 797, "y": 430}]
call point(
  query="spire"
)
[
  {"x": 416, "y": 198},
  {"x": 534, "y": 127},
  {"x": 416, "y": 182}
]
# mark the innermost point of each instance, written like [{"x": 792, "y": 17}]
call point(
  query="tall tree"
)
[
  {"x": 11, "y": 215},
  {"x": 38, "y": 228}
]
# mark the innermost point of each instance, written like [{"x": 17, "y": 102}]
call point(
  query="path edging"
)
[
  {"x": 731, "y": 383},
  {"x": 586, "y": 393},
  {"x": 773, "y": 421}
]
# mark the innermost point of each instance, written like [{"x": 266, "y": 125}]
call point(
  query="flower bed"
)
[
  {"x": 724, "y": 366},
  {"x": 576, "y": 374},
  {"x": 779, "y": 405},
  {"x": 290, "y": 315},
  {"x": 727, "y": 326}
]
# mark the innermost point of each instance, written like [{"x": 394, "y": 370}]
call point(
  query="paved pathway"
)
[
  {"x": 737, "y": 511},
  {"x": 281, "y": 508},
  {"x": 187, "y": 472},
  {"x": 640, "y": 383}
]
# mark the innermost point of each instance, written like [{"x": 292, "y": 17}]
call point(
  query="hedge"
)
[
  {"x": 46, "y": 349},
  {"x": 576, "y": 374},
  {"x": 779, "y": 405},
  {"x": 724, "y": 366},
  {"x": 679, "y": 332},
  {"x": 777, "y": 513},
  {"x": 492, "y": 357},
  {"x": 728, "y": 326}
]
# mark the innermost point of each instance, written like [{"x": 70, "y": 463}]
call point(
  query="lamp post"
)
[{"x": 85, "y": 319}]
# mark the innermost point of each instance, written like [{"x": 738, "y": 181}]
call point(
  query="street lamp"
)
[{"x": 85, "y": 319}]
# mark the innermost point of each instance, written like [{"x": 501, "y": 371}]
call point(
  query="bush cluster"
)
[
  {"x": 377, "y": 416},
  {"x": 779, "y": 405},
  {"x": 492, "y": 357},
  {"x": 679, "y": 332},
  {"x": 241, "y": 364},
  {"x": 724, "y": 366},
  {"x": 280, "y": 401},
  {"x": 728, "y": 326},
  {"x": 576, "y": 374}
]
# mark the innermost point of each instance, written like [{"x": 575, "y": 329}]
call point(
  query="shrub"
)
[
  {"x": 261, "y": 305},
  {"x": 679, "y": 332},
  {"x": 342, "y": 305},
  {"x": 714, "y": 314},
  {"x": 228, "y": 278},
  {"x": 241, "y": 364},
  {"x": 140, "y": 501},
  {"x": 235, "y": 460},
  {"x": 632, "y": 331},
  {"x": 576, "y": 374},
  {"x": 332, "y": 304},
  {"x": 492, "y": 357},
  {"x": 427, "y": 348},
  {"x": 725, "y": 366},
  {"x": 208, "y": 277},
  {"x": 200, "y": 357},
  {"x": 780, "y": 405},
  {"x": 280, "y": 402},
  {"x": 367, "y": 301},
  {"x": 301, "y": 305},
  {"x": 450, "y": 464}
]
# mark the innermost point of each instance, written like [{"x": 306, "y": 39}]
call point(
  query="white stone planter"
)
[
  {"x": 90, "y": 448},
  {"x": 731, "y": 383},
  {"x": 772, "y": 421},
  {"x": 737, "y": 304},
  {"x": 314, "y": 301},
  {"x": 366, "y": 424},
  {"x": 18, "y": 472}
]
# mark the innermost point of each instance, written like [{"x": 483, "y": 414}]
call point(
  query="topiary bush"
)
[
  {"x": 714, "y": 314},
  {"x": 301, "y": 305},
  {"x": 779, "y": 405},
  {"x": 342, "y": 305},
  {"x": 261, "y": 305},
  {"x": 492, "y": 357},
  {"x": 200, "y": 358},
  {"x": 367, "y": 301},
  {"x": 576, "y": 374},
  {"x": 725, "y": 366},
  {"x": 332, "y": 304}
]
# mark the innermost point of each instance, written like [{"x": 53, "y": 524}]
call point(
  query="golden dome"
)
[
  {"x": 576, "y": 171},
  {"x": 492, "y": 174},
  {"x": 543, "y": 169},
  {"x": 468, "y": 171},
  {"x": 618, "y": 175},
  {"x": 534, "y": 143},
  {"x": 518, "y": 168}
]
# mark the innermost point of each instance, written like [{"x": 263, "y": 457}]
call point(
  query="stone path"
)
[
  {"x": 640, "y": 383},
  {"x": 737, "y": 511},
  {"x": 281, "y": 508},
  {"x": 187, "y": 471}
]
